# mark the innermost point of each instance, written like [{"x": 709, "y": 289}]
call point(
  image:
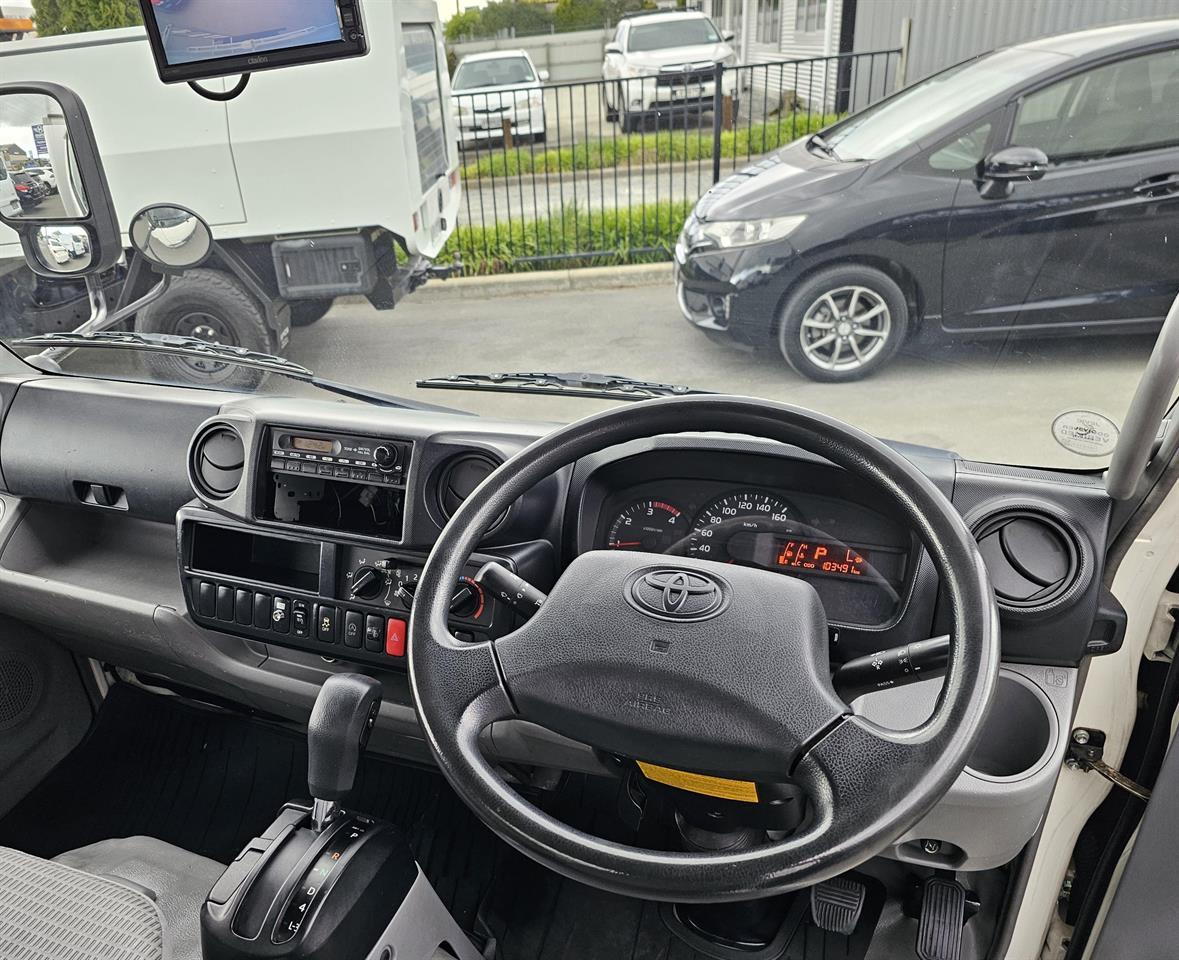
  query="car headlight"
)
[
  {"x": 742, "y": 233},
  {"x": 639, "y": 70}
]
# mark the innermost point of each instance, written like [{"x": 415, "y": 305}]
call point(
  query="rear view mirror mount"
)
[{"x": 58, "y": 201}]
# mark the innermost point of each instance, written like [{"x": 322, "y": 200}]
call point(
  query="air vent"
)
[
  {"x": 460, "y": 477},
  {"x": 217, "y": 460},
  {"x": 1034, "y": 559}
]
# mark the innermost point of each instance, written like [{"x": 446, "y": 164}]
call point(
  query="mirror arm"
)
[{"x": 102, "y": 320}]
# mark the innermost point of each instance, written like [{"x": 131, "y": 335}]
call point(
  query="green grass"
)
[
  {"x": 498, "y": 248},
  {"x": 636, "y": 149}
]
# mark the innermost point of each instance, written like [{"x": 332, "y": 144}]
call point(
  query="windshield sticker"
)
[{"x": 1086, "y": 433}]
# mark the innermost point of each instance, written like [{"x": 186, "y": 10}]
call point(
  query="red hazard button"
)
[{"x": 395, "y": 637}]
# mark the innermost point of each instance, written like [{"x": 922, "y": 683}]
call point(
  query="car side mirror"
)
[
  {"x": 544, "y": 75},
  {"x": 1015, "y": 163},
  {"x": 729, "y": 36},
  {"x": 613, "y": 48},
  {"x": 66, "y": 223}
]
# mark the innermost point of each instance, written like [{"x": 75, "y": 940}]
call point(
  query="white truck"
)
[{"x": 367, "y": 145}]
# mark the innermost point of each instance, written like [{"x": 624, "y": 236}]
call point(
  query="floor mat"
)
[{"x": 207, "y": 781}]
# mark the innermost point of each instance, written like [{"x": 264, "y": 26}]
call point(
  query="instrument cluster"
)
[{"x": 858, "y": 560}]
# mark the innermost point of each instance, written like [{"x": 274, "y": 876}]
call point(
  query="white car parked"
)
[
  {"x": 502, "y": 85},
  {"x": 664, "y": 62}
]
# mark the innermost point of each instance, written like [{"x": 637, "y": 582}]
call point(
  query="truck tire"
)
[
  {"x": 209, "y": 305},
  {"x": 306, "y": 312}
]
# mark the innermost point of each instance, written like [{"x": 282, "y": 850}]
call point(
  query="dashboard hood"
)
[{"x": 777, "y": 184}]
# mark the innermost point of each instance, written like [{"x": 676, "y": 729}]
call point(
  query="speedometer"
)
[
  {"x": 742, "y": 527},
  {"x": 651, "y": 525}
]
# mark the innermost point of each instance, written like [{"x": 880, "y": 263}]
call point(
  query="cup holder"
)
[{"x": 1019, "y": 733}]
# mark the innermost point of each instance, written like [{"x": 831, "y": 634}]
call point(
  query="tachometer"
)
[
  {"x": 651, "y": 525},
  {"x": 742, "y": 527}
]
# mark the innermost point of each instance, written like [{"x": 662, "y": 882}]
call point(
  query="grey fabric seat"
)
[{"x": 128, "y": 899}]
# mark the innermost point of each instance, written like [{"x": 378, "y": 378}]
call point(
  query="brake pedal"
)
[
  {"x": 944, "y": 912},
  {"x": 836, "y": 904}
]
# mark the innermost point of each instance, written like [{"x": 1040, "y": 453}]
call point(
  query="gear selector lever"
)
[{"x": 341, "y": 721}]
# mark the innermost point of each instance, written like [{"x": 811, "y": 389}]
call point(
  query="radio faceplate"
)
[
  {"x": 364, "y": 459},
  {"x": 334, "y": 481}
]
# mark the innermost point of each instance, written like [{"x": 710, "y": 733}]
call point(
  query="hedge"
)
[
  {"x": 658, "y": 146},
  {"x": 498, "y": 248}
]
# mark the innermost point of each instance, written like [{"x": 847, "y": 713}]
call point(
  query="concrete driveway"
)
[{"x": 991, "y": 400}]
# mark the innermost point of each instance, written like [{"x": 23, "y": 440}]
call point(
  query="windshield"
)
[
  {"x": 689, "y": 32},
  {"x": 923, "y": 109},
  {"x": 473, "y": 75},
  {"x": 374, "y": 231}
]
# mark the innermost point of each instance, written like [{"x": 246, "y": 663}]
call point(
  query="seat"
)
[{"x": 134, "y": 898}]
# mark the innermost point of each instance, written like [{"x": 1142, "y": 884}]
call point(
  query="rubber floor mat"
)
[{"x": 207, "y": 781}]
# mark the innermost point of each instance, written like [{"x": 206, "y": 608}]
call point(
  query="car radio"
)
[
  {"x": 334, "y": 481},
  {"x": 335, "y": 455}
]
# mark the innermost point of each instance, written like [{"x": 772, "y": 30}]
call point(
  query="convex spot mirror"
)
[
  {"x": 171, "y": 237},
  {"x": 53, "y": 191},
  {"x": 66, "y": 247}
]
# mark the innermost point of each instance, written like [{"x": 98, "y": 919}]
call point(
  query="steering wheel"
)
[{"x": 706, "y": 667}]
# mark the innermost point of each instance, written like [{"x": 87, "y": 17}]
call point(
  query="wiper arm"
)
[
  {"x": 220, "y": 353},
  {"x": 817, "y": 141},
  {"x": 607, "y": 386}
]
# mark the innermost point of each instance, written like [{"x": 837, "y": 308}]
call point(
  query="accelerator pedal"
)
[
  {"x": 945, "y": 908},
  {"x": 836, "y": 904}
]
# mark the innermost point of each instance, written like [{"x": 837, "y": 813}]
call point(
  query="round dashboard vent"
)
[
  {"x": 218, "y": 459},
  {"x": 1035, "y": 560},
  {"x": 460, "y": 477}
]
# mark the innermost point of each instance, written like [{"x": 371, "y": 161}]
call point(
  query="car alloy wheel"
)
[{"x": 845, "y": 328}]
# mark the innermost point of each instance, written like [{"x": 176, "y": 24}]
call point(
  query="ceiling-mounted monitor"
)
[{"x": 199, "y": 39}]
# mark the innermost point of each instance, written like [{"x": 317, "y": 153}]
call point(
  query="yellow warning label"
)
[{"x": 742, "y": 790}]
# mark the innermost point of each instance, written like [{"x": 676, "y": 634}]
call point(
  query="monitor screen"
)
[{"x": 196, "y": 31}]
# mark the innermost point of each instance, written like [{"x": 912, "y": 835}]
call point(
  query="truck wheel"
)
[
  {"x": 843, "y": 323},
  {"x": 306, "y": 312},
  {"x": 208, "y": 305}
]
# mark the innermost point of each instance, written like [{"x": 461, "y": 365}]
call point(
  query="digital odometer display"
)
[{"x": 825, "y": 556}]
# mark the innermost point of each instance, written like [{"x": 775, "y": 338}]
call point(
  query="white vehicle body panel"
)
[{"x": 254, "y": 166}]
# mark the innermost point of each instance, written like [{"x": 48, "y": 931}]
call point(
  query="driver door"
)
[{"x": 1094, "y": 241}]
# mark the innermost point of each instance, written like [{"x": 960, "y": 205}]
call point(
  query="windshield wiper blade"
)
[
  {"x": 603, "y": 385},
  {"x": 220, "y": 353}
]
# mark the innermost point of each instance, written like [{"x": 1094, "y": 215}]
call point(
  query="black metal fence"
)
[{"x": 605, "y": 171}]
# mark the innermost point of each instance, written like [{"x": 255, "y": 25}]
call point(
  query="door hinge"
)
[{"x": 1085, "y": 750}]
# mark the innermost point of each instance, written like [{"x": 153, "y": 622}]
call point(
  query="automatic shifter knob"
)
[{"x": 341, "y": 720}]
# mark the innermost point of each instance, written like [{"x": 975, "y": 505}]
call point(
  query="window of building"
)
[
  {"x": 769, "y": 21},
  {"x": 810, "y": 16}
]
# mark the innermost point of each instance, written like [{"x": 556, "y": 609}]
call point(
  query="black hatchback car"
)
[{"x": 1032, "y": 190}]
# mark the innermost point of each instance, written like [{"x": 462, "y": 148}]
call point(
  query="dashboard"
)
[{"x": 258, "y": 544}]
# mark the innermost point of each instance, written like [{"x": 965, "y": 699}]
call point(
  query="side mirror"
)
[
  {"x": 728, "y": 36},
  {"x": 1015, "y": 163},
  {"x": 613, "y": 48},
  {"x": 171, "y": 238},
  {"x": 66, "y": 222},
  {"x": 544, "y": 75}
]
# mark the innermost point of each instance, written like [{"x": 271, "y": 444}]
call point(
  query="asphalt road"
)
[{"x": 991, "y": 400}]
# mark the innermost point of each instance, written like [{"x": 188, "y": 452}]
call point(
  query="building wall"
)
[
  {"x": 948, "y": 31},
  {"x": 566, "y": 56}
]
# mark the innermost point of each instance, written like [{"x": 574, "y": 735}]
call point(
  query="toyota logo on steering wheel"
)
[{"x": 677, "y": 594}]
